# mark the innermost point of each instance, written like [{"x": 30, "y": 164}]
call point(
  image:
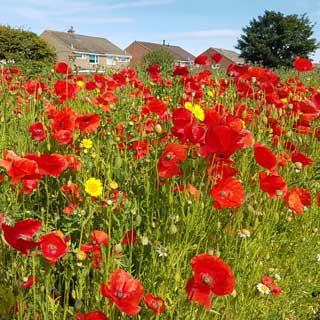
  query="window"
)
[
  {"x": 93, "y": 59},
  {"x": 215, "y": 66},
  {"x": 123, "y": 59},
  {"x": 80, "y": 56},
  {"x": 110, "y": 61}
]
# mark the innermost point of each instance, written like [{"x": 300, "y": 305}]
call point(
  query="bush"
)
[{"x": 25, "y": 50}]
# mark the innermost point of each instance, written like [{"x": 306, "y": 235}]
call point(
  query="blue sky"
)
[{"x": 194, "y": 25}]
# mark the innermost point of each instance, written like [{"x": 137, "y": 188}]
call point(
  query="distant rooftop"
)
[
  {"x": 179, "y": 53},
  {"x": 232, "y": 55},
  {"x": 82, "y": 43}
]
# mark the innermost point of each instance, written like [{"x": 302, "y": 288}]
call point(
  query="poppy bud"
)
[
  {"x": 158, "y": 128},
  {"x": 138, "y": 220},
  {"x": 173, "y": 229}
]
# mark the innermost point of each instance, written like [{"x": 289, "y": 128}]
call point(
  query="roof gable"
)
[
  {"x": 229, "y": 54},
  {"x": 87, "y": 44},
  {"x": 178, "y": 52}
]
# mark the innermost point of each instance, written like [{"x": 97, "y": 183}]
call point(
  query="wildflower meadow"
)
[{"x": 188, "y": 195}]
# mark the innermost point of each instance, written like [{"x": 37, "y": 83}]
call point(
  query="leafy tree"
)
[
  {"x": 274, "y": 39},
  {"x": 25, "y": 50},
  {"x": 162, "y": 57}
]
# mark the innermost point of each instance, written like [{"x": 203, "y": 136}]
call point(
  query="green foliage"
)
[
  {"x": 274, "y": 40},
  {"x": 28, "y": 51},
  {"x": 162, "y": 57}
]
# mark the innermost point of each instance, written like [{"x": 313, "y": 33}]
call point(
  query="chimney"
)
[
  {"x": 163, "y": 42},
  {"x": 71, "y": 30}
]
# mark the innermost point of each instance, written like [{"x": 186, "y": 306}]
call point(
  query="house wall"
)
[
  {"x": 63, "y": 53},
  {"x": 224, "y": 63},
  {"x": 85, "y": 64},
  {"x": 137, "y": 52}
]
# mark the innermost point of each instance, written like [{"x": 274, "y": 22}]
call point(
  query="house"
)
[
  {"x": 228, "y": 57},
  {"x": 85, "y": 53},
  {"x": 138, "y": 49}
]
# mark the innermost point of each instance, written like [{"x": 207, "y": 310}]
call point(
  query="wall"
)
[{"x": 137, "y": 52}]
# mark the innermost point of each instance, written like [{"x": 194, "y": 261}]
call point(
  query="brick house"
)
[
  {"x": 138, "y": 49},
  {"x": 228, "y": 56},
  {"x": 85, "y": 53}
]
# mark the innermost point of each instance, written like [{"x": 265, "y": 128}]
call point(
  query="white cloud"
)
[
  {"x": 138, "y": 4},
  {"x": 97, "y": 21},
  {"x": 213, "y": 33}
]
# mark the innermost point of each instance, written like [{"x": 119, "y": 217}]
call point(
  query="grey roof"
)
[
  {"x": 232, "y": 55},
  {"x": 179, "y": 53},
  {"x": 89, "y": 44}
]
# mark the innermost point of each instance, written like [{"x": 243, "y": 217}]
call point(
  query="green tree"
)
[
  {"x": 274, "y": 39},
  {"x": 25, "y": 50},
  {"x": 162, "y": 57}
]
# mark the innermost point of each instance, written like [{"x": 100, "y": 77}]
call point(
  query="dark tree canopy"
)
[
  {"x": 274, "y": 40},
  {"x": 24, "y": 48}
]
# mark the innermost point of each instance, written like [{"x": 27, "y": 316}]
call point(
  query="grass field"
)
[{"x": 199, "y": 189}]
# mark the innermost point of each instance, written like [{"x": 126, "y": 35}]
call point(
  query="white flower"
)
[
  {"x": 318, "y": 257},
  {"x": 162, "y": 251},
  {"x": 244, "y": 233},
  {"x": 277, "y": 276},
  {"x": 263, "y": 288}
]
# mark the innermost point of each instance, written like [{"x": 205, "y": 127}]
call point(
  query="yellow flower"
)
[
  {"x": 210, "y": 93},
  {"x": 93, "y": 187},
  {"x": 198, "y": 112},
  {"x": 113, "y": 185},
  {"x": 80, "y": 83},
  {"x": 87, "y": 143},
  {"x": 195, "y": 109}
]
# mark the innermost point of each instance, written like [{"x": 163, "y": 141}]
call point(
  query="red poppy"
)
[
  {"x": 276, "y": 291},
  {"x": 98, "y": 238},
  {"x": 130, "y": 237},
  {"x": 274, "y": 184},
  {"x": 62, "y": 67},
  {"x": 88, "y": 123},
  {"x": 65, "y": 90},
  {"x": 302, "y": 158},
  {"x": 93, "y": 315},
  {"x": 53, "y": 247},
  {"x": 221, "y": 140},
  {"x": 49, "y": 164},
  {"x": 227, "y": 193},
  {"x": 73, "y": 162},
  {"x": 72, "y": 189},
  {"x": 202, "y": 60},
  {"x": 63, "y": 137},
  {"x": 154, "y": 73},
  {"x": 180, "y": 71},
  {"x": 216, "y": 57},
  {"x": 38, "y": 131},
  {"x": 268, "y": 281},
  {"x": 29, "y": 185},
  {"x": 64, "y": 120},
  {"x": 297, "y": 198},
  {"x": 211, "y": 275},
  {"x": 182, "y": 119},
  {"x": 17, "y": 167},
  {"x": 172, "y": 155},
  {"x": 19, "y": 236},
  {"x": 141, "y": 148},
  {"x": 155, "y": 106},
  {"x": 156, "y": 304},
  {"x": 264, "y": 156},
  {"x": 1, "y": 219},
  {"x": 303, "y": 64},
  {"x": 30, "y": 282},
  {"x": 124, "y": 291}
]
